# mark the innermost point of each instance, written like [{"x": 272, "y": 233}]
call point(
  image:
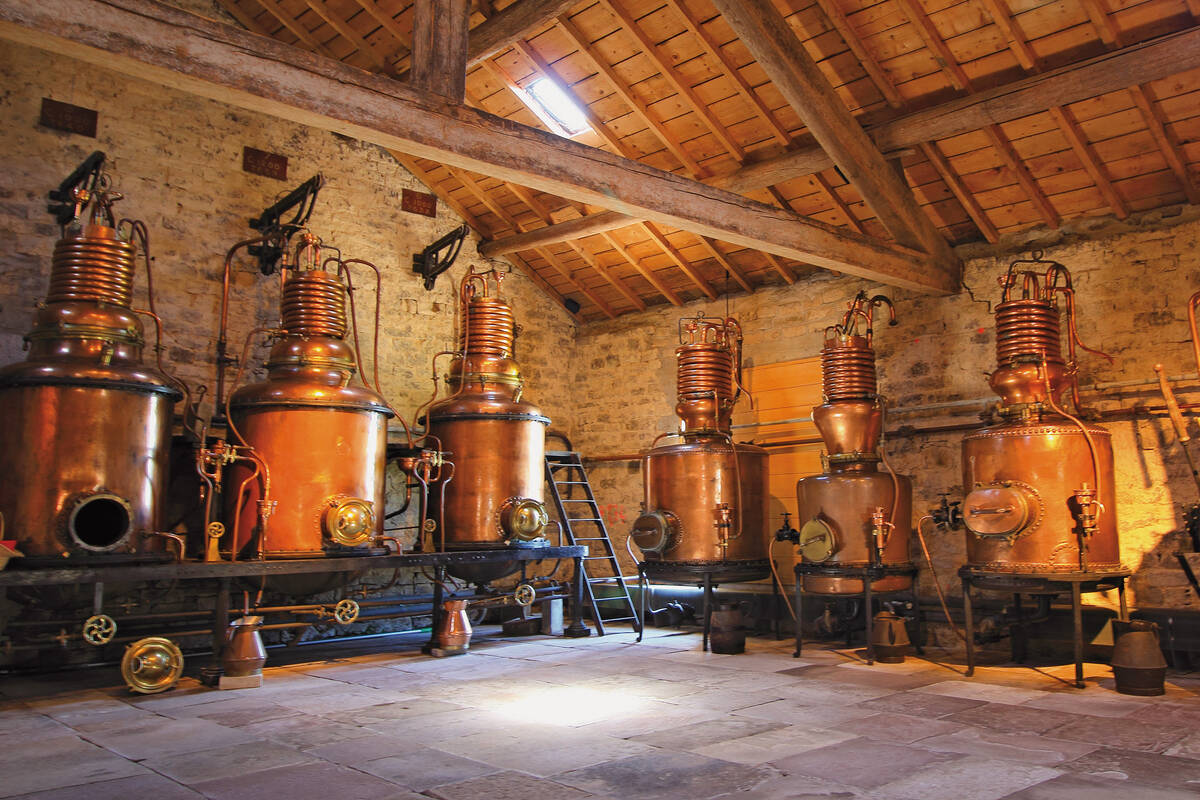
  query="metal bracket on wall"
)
[{"x": 439, "y": 256}]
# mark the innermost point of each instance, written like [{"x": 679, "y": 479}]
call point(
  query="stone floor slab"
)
[
  {"x": 226, "y": 762},
  {"x": 1075, "y": 787},
  {"x": 772, "y": 745},
  {"x": 1125, "y": 734},
  {"x": 979, "y": 690},
  {"x": 304, "y": 782},
  {"x": 966, "y": 779},
  {"x": 155, "y": 736},
  {"x": 689, "y": 737},
  {"x": 1024, "y": 748},
  {"x": 861, "y": 762},
  {"x": 666, "y": 776},
  {"x": 421, "y": 768},
  {"x": 508, "y": 786},
  {"x": 897, "y": 728},
  {"x": 1152, "y": 768},
  {"x": 82, "y": 766},
  {"x": 1014, "y": 718},
  {"x": 921, "y": 704},
  {"x": 146, "y": 785}
]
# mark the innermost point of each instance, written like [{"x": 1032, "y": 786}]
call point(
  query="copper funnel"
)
[{"x": 454, "y": 630}]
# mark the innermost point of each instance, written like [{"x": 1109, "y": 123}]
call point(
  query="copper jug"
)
[
  {"x": 244, "y": 654},
  {"x": 454, "y": 628},
  {"x": 890, "y": 638},
  {"x": 1137, "y": 660}
]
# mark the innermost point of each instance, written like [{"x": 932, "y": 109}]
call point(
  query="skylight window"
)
[{"x": 554, "y": 108}]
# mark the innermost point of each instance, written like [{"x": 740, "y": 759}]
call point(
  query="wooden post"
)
[{"x": 439, "y": 49}]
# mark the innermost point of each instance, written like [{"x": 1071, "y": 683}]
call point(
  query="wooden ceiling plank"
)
[
  {"x": 1022, "y": 175},
  {"x": 646, "y": 273},
  {"x": 1102, "y": 22},
  {"x": 1075, "y": 137},
  {"x": 158, "y": 42},
  {"x": 247, "y": 21},
  {"x": 1110, "y": 72},
  {"x": 934, "y": 42},
  {"x": 439, "y": 47},
  {"x": 783, "y": 269},
  {"x": 679, "y": 260},
  {"x": 333, "y": 20},
  {"x": 838, "y": 202},
  {"x": 965, "y": 197},
  {"x": 626, "y": 93},
  {"x": 517, "y": 21},
  {"x": 730, "y": 70},
  {"x": 1015, "y": 38},
  {"x": 738, "y": 275},
  {"x": 841, "y": 23},
  {"x": 386, "y": 22},
  {"x": 781, "y": 54},
  {"x": 546, "y": 255},
  {"x": 541, "y": 65},
  {"x": 539, "y": 208},
  {"x": 1169, "y": 148},
  {"x": 686, "y": 92},
  {"x": 606, "y": 273},
  {"x": 294, "y": 27}
]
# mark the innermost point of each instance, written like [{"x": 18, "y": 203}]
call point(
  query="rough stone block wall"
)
[{"x": 1132, "y": 287}]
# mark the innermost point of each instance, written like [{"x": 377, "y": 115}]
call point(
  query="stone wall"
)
[{"x": 1132, "y": 284}]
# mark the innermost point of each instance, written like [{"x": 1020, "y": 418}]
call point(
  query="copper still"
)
[
  {"x": 84, "y": 423},
  {"x": 307, "y": 471},
  {"x": 1041, "y": 492},
  {"x": 492, "y": 496},
  {"x": 705, "y": 497},
  {"x": 854, "y": 515}
]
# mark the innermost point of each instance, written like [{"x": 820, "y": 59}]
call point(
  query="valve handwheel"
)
[
  {"x": 346, "y": 611},
  {"x": 99, "y": 629},
  {"x": 525, "y": 595}
]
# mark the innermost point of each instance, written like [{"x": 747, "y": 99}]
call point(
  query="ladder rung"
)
[
  {"x": 590, "y": 539},
  {"x": 617, "y": 619},
  {"x": 595, "y": 558},
  {"x": 570, "y": 483},
  {"x": 568, "y": 500},
  {"x": 569, "y": 520}
]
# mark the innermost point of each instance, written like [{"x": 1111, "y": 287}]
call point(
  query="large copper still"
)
[
  {"x": 84, "y": 423},
  {"x": 705, "y": 505},
  {"x": 310, "y": 477},
  {"x": 1041, "y": 492},
  {"x": 853, "y": 515},
  {"x": 493, "y": 496}
]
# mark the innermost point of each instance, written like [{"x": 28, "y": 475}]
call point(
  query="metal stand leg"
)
[
  {"x": 220, "y": 619},
  {"x": 799, "y": 614},
  {"x": 643, "y": 585},
  {"x": 1077, "y": 618},
  {"x": 776, "y": 590},
  {"x": 868, "y": 619},
  {"x": 439, "y": 577},
  {"x": 1121, "y": 597},
  {"x": 578, "y": 630},
  {"x": 919, "y": 625},
  {"x": 707, "y": 609},
  {"x": 969, "y": 624},
  {"x": 1018, "y": 631}
]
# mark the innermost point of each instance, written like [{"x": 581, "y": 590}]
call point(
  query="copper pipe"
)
[
  {"x": 92, "y": 268},
  {"x": 223, "y": 327},
  {"x": 1192, "y": 304},
  {"x": 314, "y": 304}
]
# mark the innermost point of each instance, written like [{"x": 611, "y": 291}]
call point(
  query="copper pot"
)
[{"x": 84, "y": 424}]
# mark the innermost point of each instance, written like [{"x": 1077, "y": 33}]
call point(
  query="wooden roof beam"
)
[
  {"x": 1175, "y": 159},
  {"x": 1113, "y": 71},
  {"x": 645, "y": 272},
  {"x": 726, "y": 263},
  {"x": 294, "y": 27},
  {"x": 782, "y": 55},
  {"x": 558, "y": 232},
  {"x": 837, "y": 18},
  {"x": 679, "y": 260},
  {"x": 158, "y": 42},
  {"x": 514, "y": 23},
  {"x": 334, "y": 20}
]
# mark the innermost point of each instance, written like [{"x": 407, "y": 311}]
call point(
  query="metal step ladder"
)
[{"x": 564, "y": 471}]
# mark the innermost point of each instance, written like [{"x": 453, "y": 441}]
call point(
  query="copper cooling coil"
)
[
  {"x": 848, "y": 371},
  {"x": 92, "y": 269},
  {"x": 1028, "y": 330},
  {"x": 314, "y": 304},
  {"x": 703, "y": 369},
  {"x": 490, "y": 328}
]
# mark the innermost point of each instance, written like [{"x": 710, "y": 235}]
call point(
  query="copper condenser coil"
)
[
  {"x": 705, "y": 495},
  {"x": 494, "y": 495},
  {"x": 84, "y": 423},
  {"x": 1041, "y": 496},
  {"x": 853, "y": 516}
]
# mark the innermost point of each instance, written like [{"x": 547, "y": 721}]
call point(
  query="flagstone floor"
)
[{"x": 559, "y": 719}]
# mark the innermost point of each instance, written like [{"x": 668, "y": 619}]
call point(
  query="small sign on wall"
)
[
  {"x": 260, "y": 162},
  {"x": 418, "y": 203},
  {"x": 61, "y": 116}
]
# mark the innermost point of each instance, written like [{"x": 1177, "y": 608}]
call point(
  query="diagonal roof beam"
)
[
  {"x": 782, "y": 56},
  {"x": 157, "y": 42},
  {"x": 1110, "y": 72},
  {"x": 509, "y": 26}
]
